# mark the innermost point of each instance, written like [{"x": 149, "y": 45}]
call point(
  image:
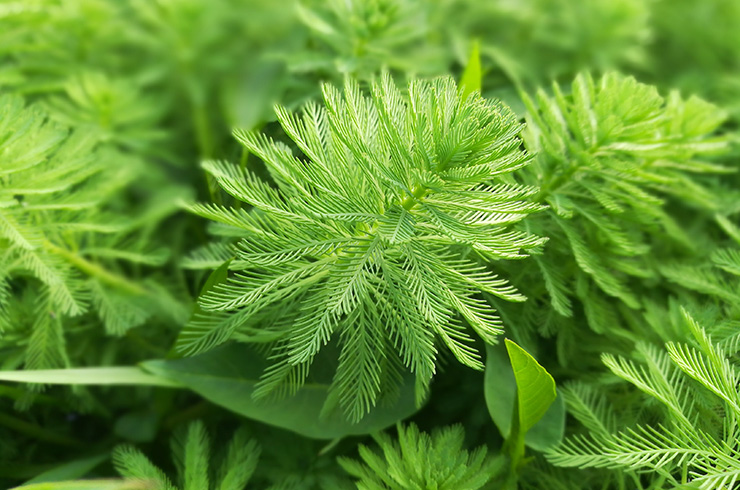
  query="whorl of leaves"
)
[
  {"x": 612, "y": 156},
  {"x": 231, "y": 469},
  {"x": 421, "y": 460},
  {"x": 372, "y": 238}
]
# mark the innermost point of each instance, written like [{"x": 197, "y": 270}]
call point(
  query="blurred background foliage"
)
[
  {"x": 166, "y": 76},
  {"x": 161, "y": 83}
]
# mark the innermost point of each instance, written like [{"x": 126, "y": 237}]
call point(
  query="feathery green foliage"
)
[
  {"x": 361, "y": 37},
  {"x": 68, "y": 234},
  {"x": 697, "y": 439},
  {"x": 420, "y": 460},
  {"x": 372, "y": 239},
  {"x": 713, "y": 274},
  {"x": 370, "y": 245},
  {"x": 612, "y": 157},
  {"x": 530, "y": 42},
  {"x": 124, "y": 67},
  {"x": 195, "y": 470}
]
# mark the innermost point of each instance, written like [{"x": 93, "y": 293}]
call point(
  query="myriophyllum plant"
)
[{"x": 371, "y": 238}]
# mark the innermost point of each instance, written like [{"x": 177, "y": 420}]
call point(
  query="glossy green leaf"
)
[
  {"x": 501, "y": 396},
  {"x": 227, "y": 377},
  {"x": 535, "y": 386}
]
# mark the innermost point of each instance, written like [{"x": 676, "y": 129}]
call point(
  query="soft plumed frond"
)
[
  {"x": 727, "y": 259},
  {"x": 611, "y": 155},
  {"x": 239, "y": 463},
  {"x": 394, "y": 34},
  {"x": 68, "y": 231},
  {"x": 420, "y": 460},
  {"x": 590, "y": 408},
  {"x": 114, "y": 111},
  {"x": 132, "y": 463},
  {"x": 658, "y": 378},
  {"x": 191, "y": 450},
  {"x": 687, "y": 446},
  {"x": 703, "y": 279},
  {"x": 196, "y": 469},
  {"x": 364, "y": 234},
  {"x": 710, "y": 366}
]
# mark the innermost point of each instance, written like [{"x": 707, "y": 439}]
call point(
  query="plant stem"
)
[
  {"x": 96, "y": 271},
  {"x": 204, "y": 140},
  {"x": 417, "y": 193}
]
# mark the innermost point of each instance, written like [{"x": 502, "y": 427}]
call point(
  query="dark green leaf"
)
[{"x": 227, "y": 377}]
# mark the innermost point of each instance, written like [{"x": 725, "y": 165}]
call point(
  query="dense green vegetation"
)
[{"x": 373, "y": 244}]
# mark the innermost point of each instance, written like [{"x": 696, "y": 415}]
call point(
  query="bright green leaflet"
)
[
  {"x": 500, "y": 387},
  {"x": 471, "y": 80},
  {"x": 525, "y": 402},
  {"x": 535, "y": 386}
]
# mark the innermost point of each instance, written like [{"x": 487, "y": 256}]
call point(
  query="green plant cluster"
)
[{"x": 371, "y": 244}]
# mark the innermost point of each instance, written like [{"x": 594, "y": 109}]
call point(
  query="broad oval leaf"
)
[
  {"x": 501, "y": 393},
  {"x": 535, "y": 386},
  {"x": 227, "y": 376}
]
